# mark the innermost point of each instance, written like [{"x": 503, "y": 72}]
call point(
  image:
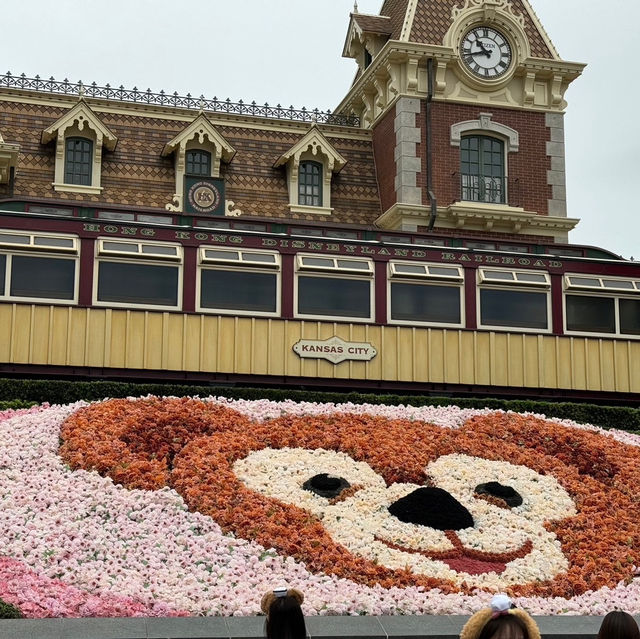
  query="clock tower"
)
[{"x": 465, "y": 101}]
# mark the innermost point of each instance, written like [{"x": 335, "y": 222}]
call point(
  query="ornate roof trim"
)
[
  {"x": 82, "y": 115},
  {"x": 200, "y": 129},
  {"x": 316, "y": 143}
]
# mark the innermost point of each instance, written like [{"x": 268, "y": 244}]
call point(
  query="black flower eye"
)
[
  {"x": 494, "y": 489},
  {"x": 325, "y": 485}
]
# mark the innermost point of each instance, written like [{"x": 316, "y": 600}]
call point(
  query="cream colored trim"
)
[
  {"x": 83, "y": 122},
  {"x": 77, "y": 188},
  {"x": 545, "y": 36},
  {"x": 477, "y": 216},
  {"x": 317, "y": 144},
  {"x": 482, "y": 125},
  {"x": 200, "y": 134},
  {"x": 313, "y": 146},
  {"x": 80, "y": 116},
  {"x": 8, "y": 159},
  {"x": 407, "y": 25},
  {"x": 310, "y": 210}
]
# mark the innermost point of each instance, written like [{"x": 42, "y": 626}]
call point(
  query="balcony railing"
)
[
  {"x": 137, "y": 96},
  {"x": 490, "y": 190}
]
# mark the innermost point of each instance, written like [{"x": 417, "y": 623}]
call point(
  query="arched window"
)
[
  {"x": 482, "y": 169},
  {"x": 78, "y": 160},
  {"x": 310, "y": 184},
  {"x": 198, "y": 162}
]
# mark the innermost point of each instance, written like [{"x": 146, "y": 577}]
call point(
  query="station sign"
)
[
  {"x": 204, "y": 196},
  {"x": 335, "y": 350}
]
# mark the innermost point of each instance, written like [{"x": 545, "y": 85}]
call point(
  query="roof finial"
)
[{"x": 355, "y": 6}]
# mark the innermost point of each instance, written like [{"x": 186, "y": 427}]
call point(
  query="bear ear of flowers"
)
[{"x": 191, "y": 445}]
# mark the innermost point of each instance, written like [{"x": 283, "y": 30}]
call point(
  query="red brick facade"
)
[
  {"x": 384, "y": 143},
  {"x": 527, "y": 168}
]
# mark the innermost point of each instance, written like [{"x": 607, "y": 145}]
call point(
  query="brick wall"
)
[
  {"x": 527, "y": 168},
  {"x": 384, "y": 142}
]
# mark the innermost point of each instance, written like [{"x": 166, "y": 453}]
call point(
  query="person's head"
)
[
  {"x": 284, "y": 615},
  {"x": 618, "y": 625},
  {"x": 501, "y": 621}
]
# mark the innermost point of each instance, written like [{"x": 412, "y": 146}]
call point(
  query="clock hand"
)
[{"x": 484, "y": 49}]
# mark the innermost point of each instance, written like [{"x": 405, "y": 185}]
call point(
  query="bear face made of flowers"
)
[{"x": 506, "y": 502}]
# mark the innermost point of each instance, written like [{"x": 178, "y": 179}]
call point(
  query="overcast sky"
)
[{"x": 289, "y": 52}]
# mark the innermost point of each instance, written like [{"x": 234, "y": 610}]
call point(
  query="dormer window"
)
[
  {"x": 310, "y": 164},
  {"x": 198, "y": 162},
  {"x": 80, "y": 139},
  {"x": 78, "y": 160},
  {"x": 198, "y": 151},
  {"x": 310, "y": 184}
]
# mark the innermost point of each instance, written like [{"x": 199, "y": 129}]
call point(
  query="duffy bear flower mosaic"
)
[{"x": 183, "y": 506}]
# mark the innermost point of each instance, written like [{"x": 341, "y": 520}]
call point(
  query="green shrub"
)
[
  {"x": 15, "y": 404},
  {"x": 64, "y": 392},
  {"x": 8, "y": 611}
]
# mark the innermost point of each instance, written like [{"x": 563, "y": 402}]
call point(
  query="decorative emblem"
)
[
  {"x": 204, "y": 197},
  {"x": 335, "y": 350}
]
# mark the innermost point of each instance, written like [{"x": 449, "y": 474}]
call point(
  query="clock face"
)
[{"x": 486, "y": 52}]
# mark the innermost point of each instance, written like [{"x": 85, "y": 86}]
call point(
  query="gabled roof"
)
[
  {"x": 360, "y": 24},
  {"x": 201, "y": 128},
  {"x": 314, "y": 142},
  {"x": 427, "y": 21},
  {"x": 81, "y": 115}
]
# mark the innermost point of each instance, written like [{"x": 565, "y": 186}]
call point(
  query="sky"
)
[{"x": 288, "y": 52}]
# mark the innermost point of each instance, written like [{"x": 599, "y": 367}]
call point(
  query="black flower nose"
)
[{"x": 432, "y": 507}]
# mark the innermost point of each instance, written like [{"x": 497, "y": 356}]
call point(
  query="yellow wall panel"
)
[
  {"x": 118, "y": 342},
  {"x": 41, "y": 319},
  {"x": 96, "y": 324},
  {"x": 70, "y": 336},
  {"x": 6, "y": 326},
  {"x": 482, "y": 360},
  {"x": 467, "y": 357},
  {"x": 452, "y": 357},
  {"x": 77, "y": 336},
  {"x": 21, "y": 334}
]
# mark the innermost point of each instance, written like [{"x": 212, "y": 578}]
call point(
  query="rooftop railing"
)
[{"x": 135, "y": 95}]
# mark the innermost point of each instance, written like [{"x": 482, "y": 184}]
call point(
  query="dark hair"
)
[
  {"x": 618, "y": 625},
  {"x": 285, "y": 619},
  {"x": 505, "y": 627}
]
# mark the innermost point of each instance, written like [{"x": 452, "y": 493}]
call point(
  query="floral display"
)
[{"x": 175, "y": 506}]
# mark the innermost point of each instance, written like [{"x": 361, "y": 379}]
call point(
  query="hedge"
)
[
  {"x": 16, "y": 404},
  {"x": 64, "y": 392},
  {"x": 9, "y": 611}
]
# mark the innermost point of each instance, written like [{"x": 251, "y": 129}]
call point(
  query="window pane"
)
[
  {"x": 591, "y": 314},
  {"x": 411, "y": 269},
  {"x": 42, "y": 277},
  {"x": 156, "y": 249},
  {"x": 14, "y": 239},
  {"x": 267, "y": 258},
  {"x": 318, "y": 261},
  {"x": 332, "y": 296},
  {"x": 198, "y": 163},
  {"x": 235, "y": 290},
  {"x": 534, "y": 278},
  {"x": 425, "y": 303},
  {"x": 498, "y": 275},
  {"x": 518, "y": 309},
  {"x": 618, "y": 284},
  {"x": 62, "y": 242},
  {"x": 584, "y": 281},
  {"x": 122, "y": 247},
  {"x": 354, "y": 265},
  {"x": 138, "y": 283},
  {"x": 212, "y": 254},
  {"x": 309, "y": 184},
  {"x": 3, "y": 270},
  {"x": 77, "y": 161},
  {"x": 629, "y": 316}
]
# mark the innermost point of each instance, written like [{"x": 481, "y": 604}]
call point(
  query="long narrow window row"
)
[{"x": 44, "y": 267}]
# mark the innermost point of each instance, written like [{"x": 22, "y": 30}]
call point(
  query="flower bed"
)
[{"x": 196, "y": 506}]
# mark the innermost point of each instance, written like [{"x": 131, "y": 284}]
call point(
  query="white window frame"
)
[
  {"x": 338, "y": 269},
  {"x": 484, "y": 283},
  {"x": 35, "y": 247},
  {"x": 124, "y": 256},
  {"x": 243, "y": 264},
  {"x": 430, "y": 277},
  {"x": 600, "y": 290}
]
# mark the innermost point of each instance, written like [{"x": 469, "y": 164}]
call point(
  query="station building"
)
[{"x": 416, "y": 238}]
